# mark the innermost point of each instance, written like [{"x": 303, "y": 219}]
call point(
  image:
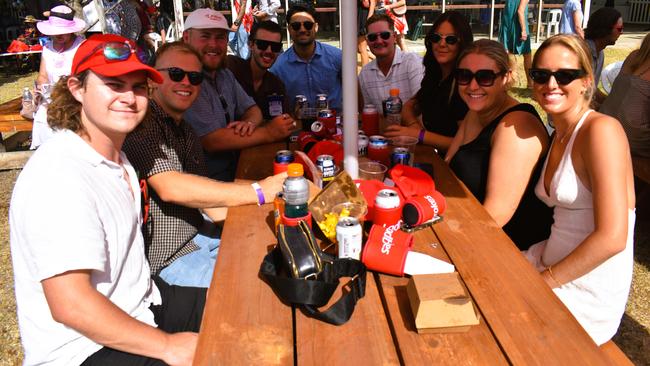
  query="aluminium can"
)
[
  {"x": 349, "y": 236},
  {"x": 284, "y": 157},
  {"x": 325, "y": 164},
  {"x": 300, "y": 102},
  {"x": 387, "y": 199},
  {"x": 362, "y": 142},
  {"x": 321, "y": 102},
  {"x": 400, "y": 155},
  {"x": 378, "y": 142}
]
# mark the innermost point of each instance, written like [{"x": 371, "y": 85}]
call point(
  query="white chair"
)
[{"x": 553, "y": 22}]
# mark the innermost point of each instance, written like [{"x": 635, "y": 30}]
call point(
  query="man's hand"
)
[
  {"x": 272, "y": 185},
  {"x": 180, "y": 348},
  {"x": 242, "y": 128},
  {"x": 233, "y": 27},
  {"x": 524, "y": 35},
  {"x": 281, "y": 126}
]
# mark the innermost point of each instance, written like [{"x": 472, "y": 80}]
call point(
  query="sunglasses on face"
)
[
  {"x": 262, "y": 45},
  {"x": 483, "y": 77},
  {"x": 450, "y": 39},
  {"x": 117, "y": 51},
  {"x": 296, "y": 25},
  {"x": 562, "y": 76},
  {"x": 373, "y": 36},
  {"x": 177, "y": 74}
]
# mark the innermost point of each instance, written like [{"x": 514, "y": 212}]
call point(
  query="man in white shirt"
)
[
  {"x": 83, "y": 289},
  {"x": 391, "y": 67}
]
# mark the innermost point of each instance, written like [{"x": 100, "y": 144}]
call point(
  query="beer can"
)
[
  {"x": 387, "y": 199},
  {"x": 363, "y": 145},
  {"x": 321, "y": 102},
  {"x": 300, "y": 102},
  {"x": 400, "y": 155},
  {"x": 284, "y": 157},
  {"x": 325, "y": 164},
  {"x": 349, "y": 237},
  {"x": 328, "y": 119},
  {"x": 378, "y": 142},
  {"x": 318, "y": 129},
  {"x": 378, "y": 149}
]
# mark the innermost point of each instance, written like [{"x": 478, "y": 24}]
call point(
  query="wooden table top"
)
[
  {"x": 10, "y": 118},
  {"x": 522, "y": 321}
]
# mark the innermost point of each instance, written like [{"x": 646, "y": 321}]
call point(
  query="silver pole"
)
[
  {"x": 286, "y": 10},
  {"x": 539, "y": 19},
  {"x": 492, "y": 19},
  {"x": 348, "y": 11},
  {"x": 443, "y": 5},
  {"x": 178, "y": 19},
  {"x": 587, "y": 8}
]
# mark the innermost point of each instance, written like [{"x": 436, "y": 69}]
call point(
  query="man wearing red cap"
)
[
  {"x": 224, "y": 116},
  {"x": 83, "y": 289}
]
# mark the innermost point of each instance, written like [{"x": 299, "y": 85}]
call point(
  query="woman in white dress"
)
[
  {"x": 56, "y": 61},
  {"x": 588, "y": 179}
]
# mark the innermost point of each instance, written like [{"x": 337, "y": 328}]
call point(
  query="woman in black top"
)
[
  {"x": 500, "y": 144},
  {"x": 437, "y": 100}
]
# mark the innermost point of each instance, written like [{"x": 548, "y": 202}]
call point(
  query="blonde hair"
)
[
  {"x": 65, "y": 111},
  {"x": 641, "y": 55},
  {"x": 578, "y": 47},
  {"x": 493, "y": 50}
]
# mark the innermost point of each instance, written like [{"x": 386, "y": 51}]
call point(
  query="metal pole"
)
[
  {"x": 585, "y": 18},
  {"x": 100, "y": 14},
  {"x": 286, "y": 10},
  {"x": 492, "y": 20},
  {"x": 443, "y": 5},
  {"x": 348, "y": 10},
  {"x": 539, "y": 19},
  {"x": 178, "y": 19}
]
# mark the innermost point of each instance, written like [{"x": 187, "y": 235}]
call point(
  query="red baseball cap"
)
[{"x": 89, "y": 57}]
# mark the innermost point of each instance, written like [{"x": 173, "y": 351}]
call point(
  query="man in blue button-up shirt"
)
[{"x": 309, "y": 67}]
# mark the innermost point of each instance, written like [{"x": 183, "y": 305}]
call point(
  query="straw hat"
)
[
  {"x": 61, "y": 21},
  {"x": 30, "y": 19}
]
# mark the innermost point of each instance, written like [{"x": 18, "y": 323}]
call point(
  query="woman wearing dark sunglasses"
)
[
  {"x": 500, "y": 144},
  {"x": 433, "y": 114},
  {"x": 588, "y": 180}
]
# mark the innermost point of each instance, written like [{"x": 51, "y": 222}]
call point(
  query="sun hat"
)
[
  {"x": 30, "y": 19},
  {"x": 89, "y": 57},
  {"x": 206, "y": 18},
  {"x": 61, "y": 21}
]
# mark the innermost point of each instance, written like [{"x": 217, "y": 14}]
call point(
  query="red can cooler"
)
[
  {"x": 420, "y": 209},
  {"x": 388, "y": 208},
  {"x": 295, "y": 221},
  {"x": 386, "y": 249}
]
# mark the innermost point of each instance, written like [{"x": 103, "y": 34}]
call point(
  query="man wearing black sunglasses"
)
[
  {"x": 166, "y": 153},
  {"x": 267, "y": 89},
  {"x": 309, "y": 67},
  {"x": 391, "y": 67}
]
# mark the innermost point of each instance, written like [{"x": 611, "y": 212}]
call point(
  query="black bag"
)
[{"x": 300, "y": 273}]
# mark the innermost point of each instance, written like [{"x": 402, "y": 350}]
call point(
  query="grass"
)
[{"x": 633, "y": 336}]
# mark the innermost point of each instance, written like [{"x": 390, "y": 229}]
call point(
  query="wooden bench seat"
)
[
  {"x": 615, "y": 355},
  {"x": 10, "y": 118}
]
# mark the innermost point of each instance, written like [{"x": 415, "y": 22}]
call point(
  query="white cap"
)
[{"x": 206, "y": 18}]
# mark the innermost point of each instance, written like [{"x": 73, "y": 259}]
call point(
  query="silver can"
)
[
  {"x": 362, "y": 141},
  {"x": 321, "y": 102},
  {"x": 387, "y": 199},
  {"x": 300, "y": 102},
  {"x": 349, "y": 236},
  {"x": 325, "y": 163}
]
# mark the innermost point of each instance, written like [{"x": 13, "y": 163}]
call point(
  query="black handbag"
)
[{"x": 301, "y": 274}]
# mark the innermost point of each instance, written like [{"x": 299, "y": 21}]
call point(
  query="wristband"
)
[
  {"x": 421, "y": 136},
  {"x": 260, "y": 195},
  {"x": 550, "y": 273}
]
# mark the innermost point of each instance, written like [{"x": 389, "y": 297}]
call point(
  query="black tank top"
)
[{"x": 531, "y": 222}]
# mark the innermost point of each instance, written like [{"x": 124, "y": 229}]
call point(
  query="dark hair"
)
[
  {"x": 432, "y": 70},
  {"x": 267, "y": 25},
  {"x": 180, "y": 46},
  {"x": 601, "y": 23},
  {"x": 301, "y": 9},
  {"x": 380, "y": 17}
]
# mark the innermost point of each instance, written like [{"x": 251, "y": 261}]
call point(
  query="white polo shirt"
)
[
  {"x": 406, "y": 73},
  {"x": 72, "y": 209}
]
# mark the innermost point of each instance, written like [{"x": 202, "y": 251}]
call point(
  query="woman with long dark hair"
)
[{"x": 437, "y": 102}]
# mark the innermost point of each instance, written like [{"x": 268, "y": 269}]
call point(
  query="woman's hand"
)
[{"x": 395, "y": 130}]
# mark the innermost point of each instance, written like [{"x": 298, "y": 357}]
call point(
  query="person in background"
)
[
  {"x": 242, "y": 21},
  {"x": 265, "y": 43},
  {"x": 588, "y": 180},
  {"x": 391, "y": 67},
  {"x": 571, "y": 19},
  {"x": 629, "y": 100},
  {"x": 603, "y": 29},
  {"x": 513, "y": 32},
  {"x": 181, "y": 245},
  {"x": 500, "y": 145},
  {"x": 309, "y": 67},
  {"x": 266, "y": 10},
  {"x": 224, "y": 117},
  {"x": 83, "y": 290},
  {"x": 437, "y": 102},
  {"x": 56, "y": 61},
  {"x": 396, "y": 9},
  {"x": 362, "y": 15}
]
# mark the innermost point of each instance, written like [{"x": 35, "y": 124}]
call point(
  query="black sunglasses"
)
[
  {"x": 296, "y": 25},
  {"x": 262, "y": 45},
  {"x": 483, "y": 77},
  {"x": 177, "y": 74},
  {"x": 450, "y": 39},
  {"x": 562, "y": 76},
  {"x": 373, "y": 36}
]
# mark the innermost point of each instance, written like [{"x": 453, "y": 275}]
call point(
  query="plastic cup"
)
[
  {"x": 372, "y": 170},
  {"x": 355, "y": 210},
  {"x": 407, "y": 142}
]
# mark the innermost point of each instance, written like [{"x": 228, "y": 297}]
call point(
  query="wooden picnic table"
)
[
  {"x": 11, "y": 120},
  {"x": 522, "y": 321}
]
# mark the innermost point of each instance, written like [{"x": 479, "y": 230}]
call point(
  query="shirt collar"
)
[
  {"x": 397, "y": 59},
  {"x": 292, "y": 56},
  {"x": 80, "y": 148}
]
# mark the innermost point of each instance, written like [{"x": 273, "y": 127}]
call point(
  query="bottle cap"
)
[
  {"x": 394, "y": 92},
  {"x": 295, "y": 170}
]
